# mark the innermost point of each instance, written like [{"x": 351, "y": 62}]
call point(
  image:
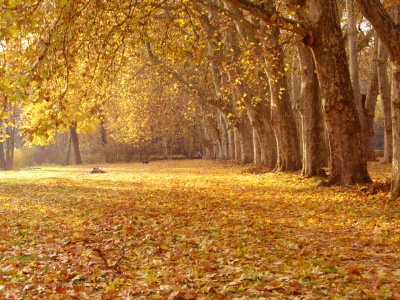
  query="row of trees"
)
[{"x": 276, "y": 83}]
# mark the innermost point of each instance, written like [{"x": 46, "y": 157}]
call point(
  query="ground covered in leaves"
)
[{"x": 194, "y": 230}]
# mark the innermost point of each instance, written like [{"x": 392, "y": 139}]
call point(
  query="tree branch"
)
[
  {"x": 384, "y": 25},
  {"x": 258, "y": 11}
]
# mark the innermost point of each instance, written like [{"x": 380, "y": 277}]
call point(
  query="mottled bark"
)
[
  {"x": 396, "y": 129},
  {"x": 259, "y": 113},
  {"x": 68, "y": 150},
  {"x": 387, "y": 27},
  {"x": 231, "y": 141},
  {"x": 75, "y": 142},
  {"x": 369, "y": 108},
  {"x": 269, "y": 151},
  {"x": 295, "y": 94},
  {"x": 8, "y": 148},
  {"x": 103, "y": 133},
  {"x": 353, "y": 58},
  {"x": 2, "y": 154},
  {"x": 384, "y": 92},
  {"x": 347, "y": 164},
  {"x": 282, "y": 118},
  {"x": 246, "y": 141},
  {"x": 237, "y": 146},
  {"x": 223, "y": 137},
  {"x": 312, "y": 122},
  {"x": 257, "y": 149}
]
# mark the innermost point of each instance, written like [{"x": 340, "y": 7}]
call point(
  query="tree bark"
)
[
  {"x": 68, "y": 150},
  {"x": 231, "y": 141},
  {"x": 320, "y": 28},
  {"x": 347, "y": 164},
  {"x": 238, "y": 153},
  {"x": 75, "y": 142},
  {"x": 2, "y": 157},
  {"x": 257, "y": 149},
  {"x": 388, "y": 30},
  {"x": 282, "y": 118},
  {"x": 369, "y": 108},
  {"x": 353, "y": 59},
  {"x": 384, "y": 92},
  {"x": 396, "y": 129},
  {"x": 259, "y": 113},
  {"x": 312, "y": 122},
  {"x": 223, "y": 136},
  {"x": 9, "y": 145},
  {"x": 246, "y": 141}
]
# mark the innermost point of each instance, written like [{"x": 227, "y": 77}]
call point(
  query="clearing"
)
[{"x": 194, "y": 229}]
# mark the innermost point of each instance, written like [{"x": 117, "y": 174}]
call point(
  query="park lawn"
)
[{"x": 195, "y": 230}]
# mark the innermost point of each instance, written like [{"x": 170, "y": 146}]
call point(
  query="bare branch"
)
[
  {"x": 122, "y": 256},
  {"x": 102, "y": 256}
]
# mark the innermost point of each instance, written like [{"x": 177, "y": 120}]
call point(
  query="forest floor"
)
[{"x": 195, "y": 230}]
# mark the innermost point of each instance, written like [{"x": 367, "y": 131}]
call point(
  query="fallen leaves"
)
[{"x": 193, "y": 230}]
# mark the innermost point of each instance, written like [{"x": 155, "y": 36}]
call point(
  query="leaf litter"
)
[{"x": 194, "y": 230}]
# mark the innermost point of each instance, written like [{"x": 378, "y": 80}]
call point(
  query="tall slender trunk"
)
[
  {"x": 282, "y": 118},
  {"x": 257, "y": 149},
  {"x": 312, "y": 121},
  {"x": 2, "y": 157},
  {"x": 384, "y": 92},
  {"x": 68, "y": 150},
  {"x": 238, "y": 154},
  {"x": 8, "y": 148},
  {"x": 369, "y": 108},
  {"x": 223, "y": 137},
  {"x": 395, "y": 96},
  {"x": 231, "y": 141},
  {"x": 396, "y": 127},
  {"x": 259, "y": 113},
  {"x": 103, "y": 133},
  {"x": 353, "y": 59},
  {"x": 246, "y": 141},
  {"x": 75, "y": 142},
  {"x": 12, "y": 140}
]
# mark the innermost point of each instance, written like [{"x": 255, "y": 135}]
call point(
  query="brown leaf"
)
[{"x": 61, "y": 290}]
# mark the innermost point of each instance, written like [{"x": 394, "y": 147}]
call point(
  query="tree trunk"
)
[
  {"x": 2, "y": 157},
  {"x": 388, "y": 30},
  {"x": 8, "y": 148},
  {"x": 353, "y": 59},
  {"x": 347, "y": 164},
  {"x": 312, "y": 122},
  {"x": 75, "y": 142},
  {"x": 231, "y": 141},
  {"x": 68, "y": 150},
  {"x": 103, "y": 133},
  {"x": 238, "y": 154},
  {"x": 246, "y": 141},
  {"x": 282, "y": 118},
  {"x": 396, "y": 129},
  {"x": 259, "y": 113},
  {"x": 223, "y": 136},
  {"x": 369, "y": 108},
  {"x": 257, "y": 149},
  {"x": 384, "y": 92}
]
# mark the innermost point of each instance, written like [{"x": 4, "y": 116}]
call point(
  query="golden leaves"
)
[{"x": 193, "y": 229}]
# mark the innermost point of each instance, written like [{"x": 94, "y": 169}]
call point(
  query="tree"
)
[
  {"x": 320, "y": 28},
  {"x": 387, "y": 28}
]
